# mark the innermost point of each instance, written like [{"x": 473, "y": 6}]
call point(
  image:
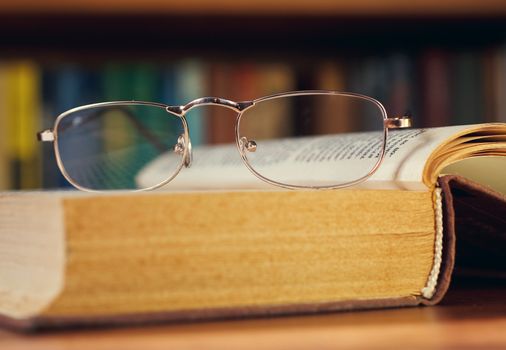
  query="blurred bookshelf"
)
[{"x": 444, "y": 61}]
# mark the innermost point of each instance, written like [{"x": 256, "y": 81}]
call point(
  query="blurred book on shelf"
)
[
  {"x": 20, "y": 118},
  {"x": 438, "y": 86},
  {"x": 63, "y": 87},
  {"x": 221, "y": 84},
  {"x": 190, "y": 83}
]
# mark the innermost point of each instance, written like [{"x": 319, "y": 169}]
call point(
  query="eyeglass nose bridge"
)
[{"x": 210, "y": 101}]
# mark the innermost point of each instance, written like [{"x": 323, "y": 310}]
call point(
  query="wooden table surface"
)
[{"x": 470, "y": 316}]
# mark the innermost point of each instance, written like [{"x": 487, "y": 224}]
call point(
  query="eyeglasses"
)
[{"x": 290, "y": 140}]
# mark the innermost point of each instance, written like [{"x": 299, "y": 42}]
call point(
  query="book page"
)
[
  {"x": 481, "y": 170},
  {"x": 221, "y": 166}
]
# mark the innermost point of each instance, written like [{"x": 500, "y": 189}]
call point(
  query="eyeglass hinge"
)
[
  {"x": 45, "y": 135},
  {"x": 398, "y": 122}
]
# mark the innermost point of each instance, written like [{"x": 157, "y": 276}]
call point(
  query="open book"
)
[
  {"x": 70, "y": 257},
  {"x": 413, "y": 161}
]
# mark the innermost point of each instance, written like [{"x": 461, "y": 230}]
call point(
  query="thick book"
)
[{"x": 73, "y": 258}]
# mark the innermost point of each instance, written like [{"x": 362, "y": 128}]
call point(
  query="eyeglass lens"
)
[
  {"x": 106, "y": 148},
  {"x": 305, "y": 152}
]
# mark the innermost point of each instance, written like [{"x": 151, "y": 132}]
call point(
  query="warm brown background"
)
[{"x": 360, "y": 7}]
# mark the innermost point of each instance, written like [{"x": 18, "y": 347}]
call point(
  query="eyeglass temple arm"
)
[
  {"x": 48, "y": 134},
  {"x": 398, "y": 122}
]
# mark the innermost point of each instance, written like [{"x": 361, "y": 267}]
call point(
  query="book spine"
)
[
  {"x": 466, "y": 89},
  {"x": 23, "y": 105},
  {"x": 190, "y": 82},
  {"x": 435, "y": 83},
  {"x": 275, "y": 78},
  {"x": 221, "y": 127},
  {"x": 331, "y": 75},
  {"x": 500, "y": 84},
  {"x": 401, "y": 78},
  {"x": 5, "y": 175},
  {"x": 68, "y": 89}
]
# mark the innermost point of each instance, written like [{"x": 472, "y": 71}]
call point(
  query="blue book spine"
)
[{"x": 190, "y": 84}]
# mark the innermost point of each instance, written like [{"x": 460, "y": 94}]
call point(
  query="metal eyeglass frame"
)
[{"x": 242, "y": 143}]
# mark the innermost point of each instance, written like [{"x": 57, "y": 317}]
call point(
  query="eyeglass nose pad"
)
[
  {"x": 248, "y": 145},
  {"x": 179, "y": 148}
]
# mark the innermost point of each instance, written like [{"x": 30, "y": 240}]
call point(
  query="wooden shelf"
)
[
  {"x": 453, "y": 8},
  {"x": 469, "y": 318}
]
